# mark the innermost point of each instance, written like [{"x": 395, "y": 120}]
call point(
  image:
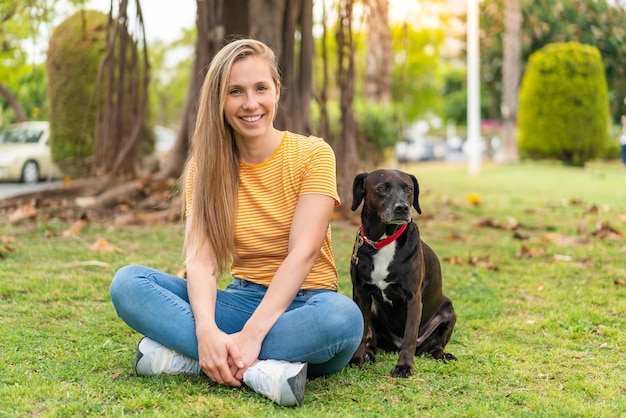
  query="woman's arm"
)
[
  {"x": 308, "y": 230},
  {"x": 217, "y": 352}
]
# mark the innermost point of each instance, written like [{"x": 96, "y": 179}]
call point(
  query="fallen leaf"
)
[
  {"x": 517, "y": 234},
  {"x": 23, "y": 212},
  {"x": 620, "y": 282},
  {"x": 527, "y": 252},
  {"x": 454, "y": 260},
  {"x": 567, "y": 240},
  {"x": 75, "y": 229},
  {"x": 103, "y": 246},
  {"x": 490, "y": 223},
  {"x": 575, "y": 201},
  {"x": 453, "y": 236},
  {"x": 622, "y": 218},
  {"x": 604, "y": 230},
  {"x": 7, "y": 239}
]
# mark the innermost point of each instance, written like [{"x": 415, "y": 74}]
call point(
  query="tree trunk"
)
[
  {"x": 210, "y": 37},
  {"x": 347, "y": 156},
  {"x": 20, "y": 115},
  {"x": 511, "y": 73},
  {"x": 118, "y": 125},
  {"x": 378, "y": 77}
]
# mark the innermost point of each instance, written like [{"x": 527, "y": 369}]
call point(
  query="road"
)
[{"x": 12, "y": 189}]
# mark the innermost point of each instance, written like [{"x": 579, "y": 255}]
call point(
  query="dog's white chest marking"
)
[{"x": 382, "y": 259}]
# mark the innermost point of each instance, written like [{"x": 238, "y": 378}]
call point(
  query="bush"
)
[
  {"x": 378, "y": 128},
  {"x": 564, "y": 105},
  {"x": 73, "y": 58}
]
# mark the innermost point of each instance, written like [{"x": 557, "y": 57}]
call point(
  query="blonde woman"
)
[{"x": 258, "y": 203}]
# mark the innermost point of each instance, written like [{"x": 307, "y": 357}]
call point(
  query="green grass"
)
[{"x": 540, "y": 336}]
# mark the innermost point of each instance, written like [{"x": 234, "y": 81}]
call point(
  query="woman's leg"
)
[
  {"x": 156, "y": 305},
  {"x": 323, "y": 330}
]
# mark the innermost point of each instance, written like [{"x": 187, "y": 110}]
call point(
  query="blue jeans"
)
[{"x": 320, "y": 327}]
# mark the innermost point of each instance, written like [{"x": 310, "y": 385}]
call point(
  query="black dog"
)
[{"x": 396, "y": 278}]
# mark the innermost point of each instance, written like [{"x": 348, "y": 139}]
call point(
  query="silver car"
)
[{"x": 25, "y": 153}]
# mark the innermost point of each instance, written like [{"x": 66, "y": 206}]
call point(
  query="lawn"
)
[{"x": 533, "y": 259}]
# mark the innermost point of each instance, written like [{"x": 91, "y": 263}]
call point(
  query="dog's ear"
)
[
  {"x": 358, "y": 190},
  {"x": 416, "y": 194}
]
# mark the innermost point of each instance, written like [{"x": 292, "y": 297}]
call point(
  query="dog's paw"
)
[
  {"x": 446, "y": 357},
  {"x": 370, "y": 358},
  {"x": 356, "y": 361},
  {"x": 402, "y": 371}
]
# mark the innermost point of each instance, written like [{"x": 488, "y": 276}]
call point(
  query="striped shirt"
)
[{"x": 267, "y": 198}]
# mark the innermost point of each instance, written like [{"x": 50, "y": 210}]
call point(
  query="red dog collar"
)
[{"x": 384, "y": 242}]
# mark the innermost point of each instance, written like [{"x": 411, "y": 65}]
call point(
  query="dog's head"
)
[{"x": 387, "y": 193}]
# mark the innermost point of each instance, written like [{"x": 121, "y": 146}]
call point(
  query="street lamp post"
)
[{"x": 473, "y": 145}]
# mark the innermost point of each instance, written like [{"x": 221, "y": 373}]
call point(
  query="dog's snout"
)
[{"x": 401, "y": 208}]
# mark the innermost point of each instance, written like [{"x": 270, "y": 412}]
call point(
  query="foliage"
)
[
  {"x": 600, "y": 23},
  {"x": 535, "y": 336},
  {"x": 455, "y": 93},
  {"x": 417, "y": 77},
  {"x": 170, "y": 80},
  {"x": 22, "y": 76},
  {"x": 563, "y": 110},
  {"x": 378, "y": 128},
  {"x": 74, "y": 55}
]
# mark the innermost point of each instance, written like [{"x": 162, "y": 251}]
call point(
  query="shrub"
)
[
  {"x": 74, "y": 54},
  {"x": 564, "y": 105}
]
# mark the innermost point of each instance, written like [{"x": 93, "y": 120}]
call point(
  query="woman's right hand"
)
[{"x": 220, "y": 358}]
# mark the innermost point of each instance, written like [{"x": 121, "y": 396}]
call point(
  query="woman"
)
[{"x": 258, "y": 203}]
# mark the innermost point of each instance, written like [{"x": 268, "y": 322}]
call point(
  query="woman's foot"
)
[
  {"x": 281, "y": 381},
  {"x": 153, "y": 358}
]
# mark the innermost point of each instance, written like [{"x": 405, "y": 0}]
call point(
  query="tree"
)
[
  {"x": 19, "y": 22},
  {"x": 601, "y": 23},
  {"x": 379, "y": 52},
  {"x": 511, "y": 73},
  {"x": 279, "y": 23},
  {"x": 347, "y": 156},
  {"x": 122, "y": 79}
]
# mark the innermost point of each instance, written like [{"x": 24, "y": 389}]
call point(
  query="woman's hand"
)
[
  {"x": 249, "y": 348},
  {"x": 220, "y": 358}
]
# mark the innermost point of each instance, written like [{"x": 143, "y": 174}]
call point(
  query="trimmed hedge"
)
[{"x": 564, "y": 105}]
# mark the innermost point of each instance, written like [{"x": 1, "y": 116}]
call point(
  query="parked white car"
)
[{"x": 25, "y": 153}]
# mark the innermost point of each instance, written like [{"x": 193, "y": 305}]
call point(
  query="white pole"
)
[{"x": 473, "y": 145}]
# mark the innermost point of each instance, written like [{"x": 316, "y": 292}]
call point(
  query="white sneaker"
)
[
  {"x": 153, "y": 358},
  {"x": 281, "y": 381}
]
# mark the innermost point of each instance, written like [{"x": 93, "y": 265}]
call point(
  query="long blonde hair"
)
[{"x": 214, "y": 203}]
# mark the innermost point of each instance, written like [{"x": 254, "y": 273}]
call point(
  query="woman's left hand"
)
[{"x": 249, "y": 349}]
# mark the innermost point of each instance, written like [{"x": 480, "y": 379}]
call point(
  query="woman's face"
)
[{"x": 251, "y": 98}]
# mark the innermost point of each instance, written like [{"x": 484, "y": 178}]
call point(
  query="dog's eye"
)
[{"x": 381, "y": 189}]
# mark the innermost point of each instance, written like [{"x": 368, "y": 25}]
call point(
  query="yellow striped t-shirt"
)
[{"x": 267, "y": 198}]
